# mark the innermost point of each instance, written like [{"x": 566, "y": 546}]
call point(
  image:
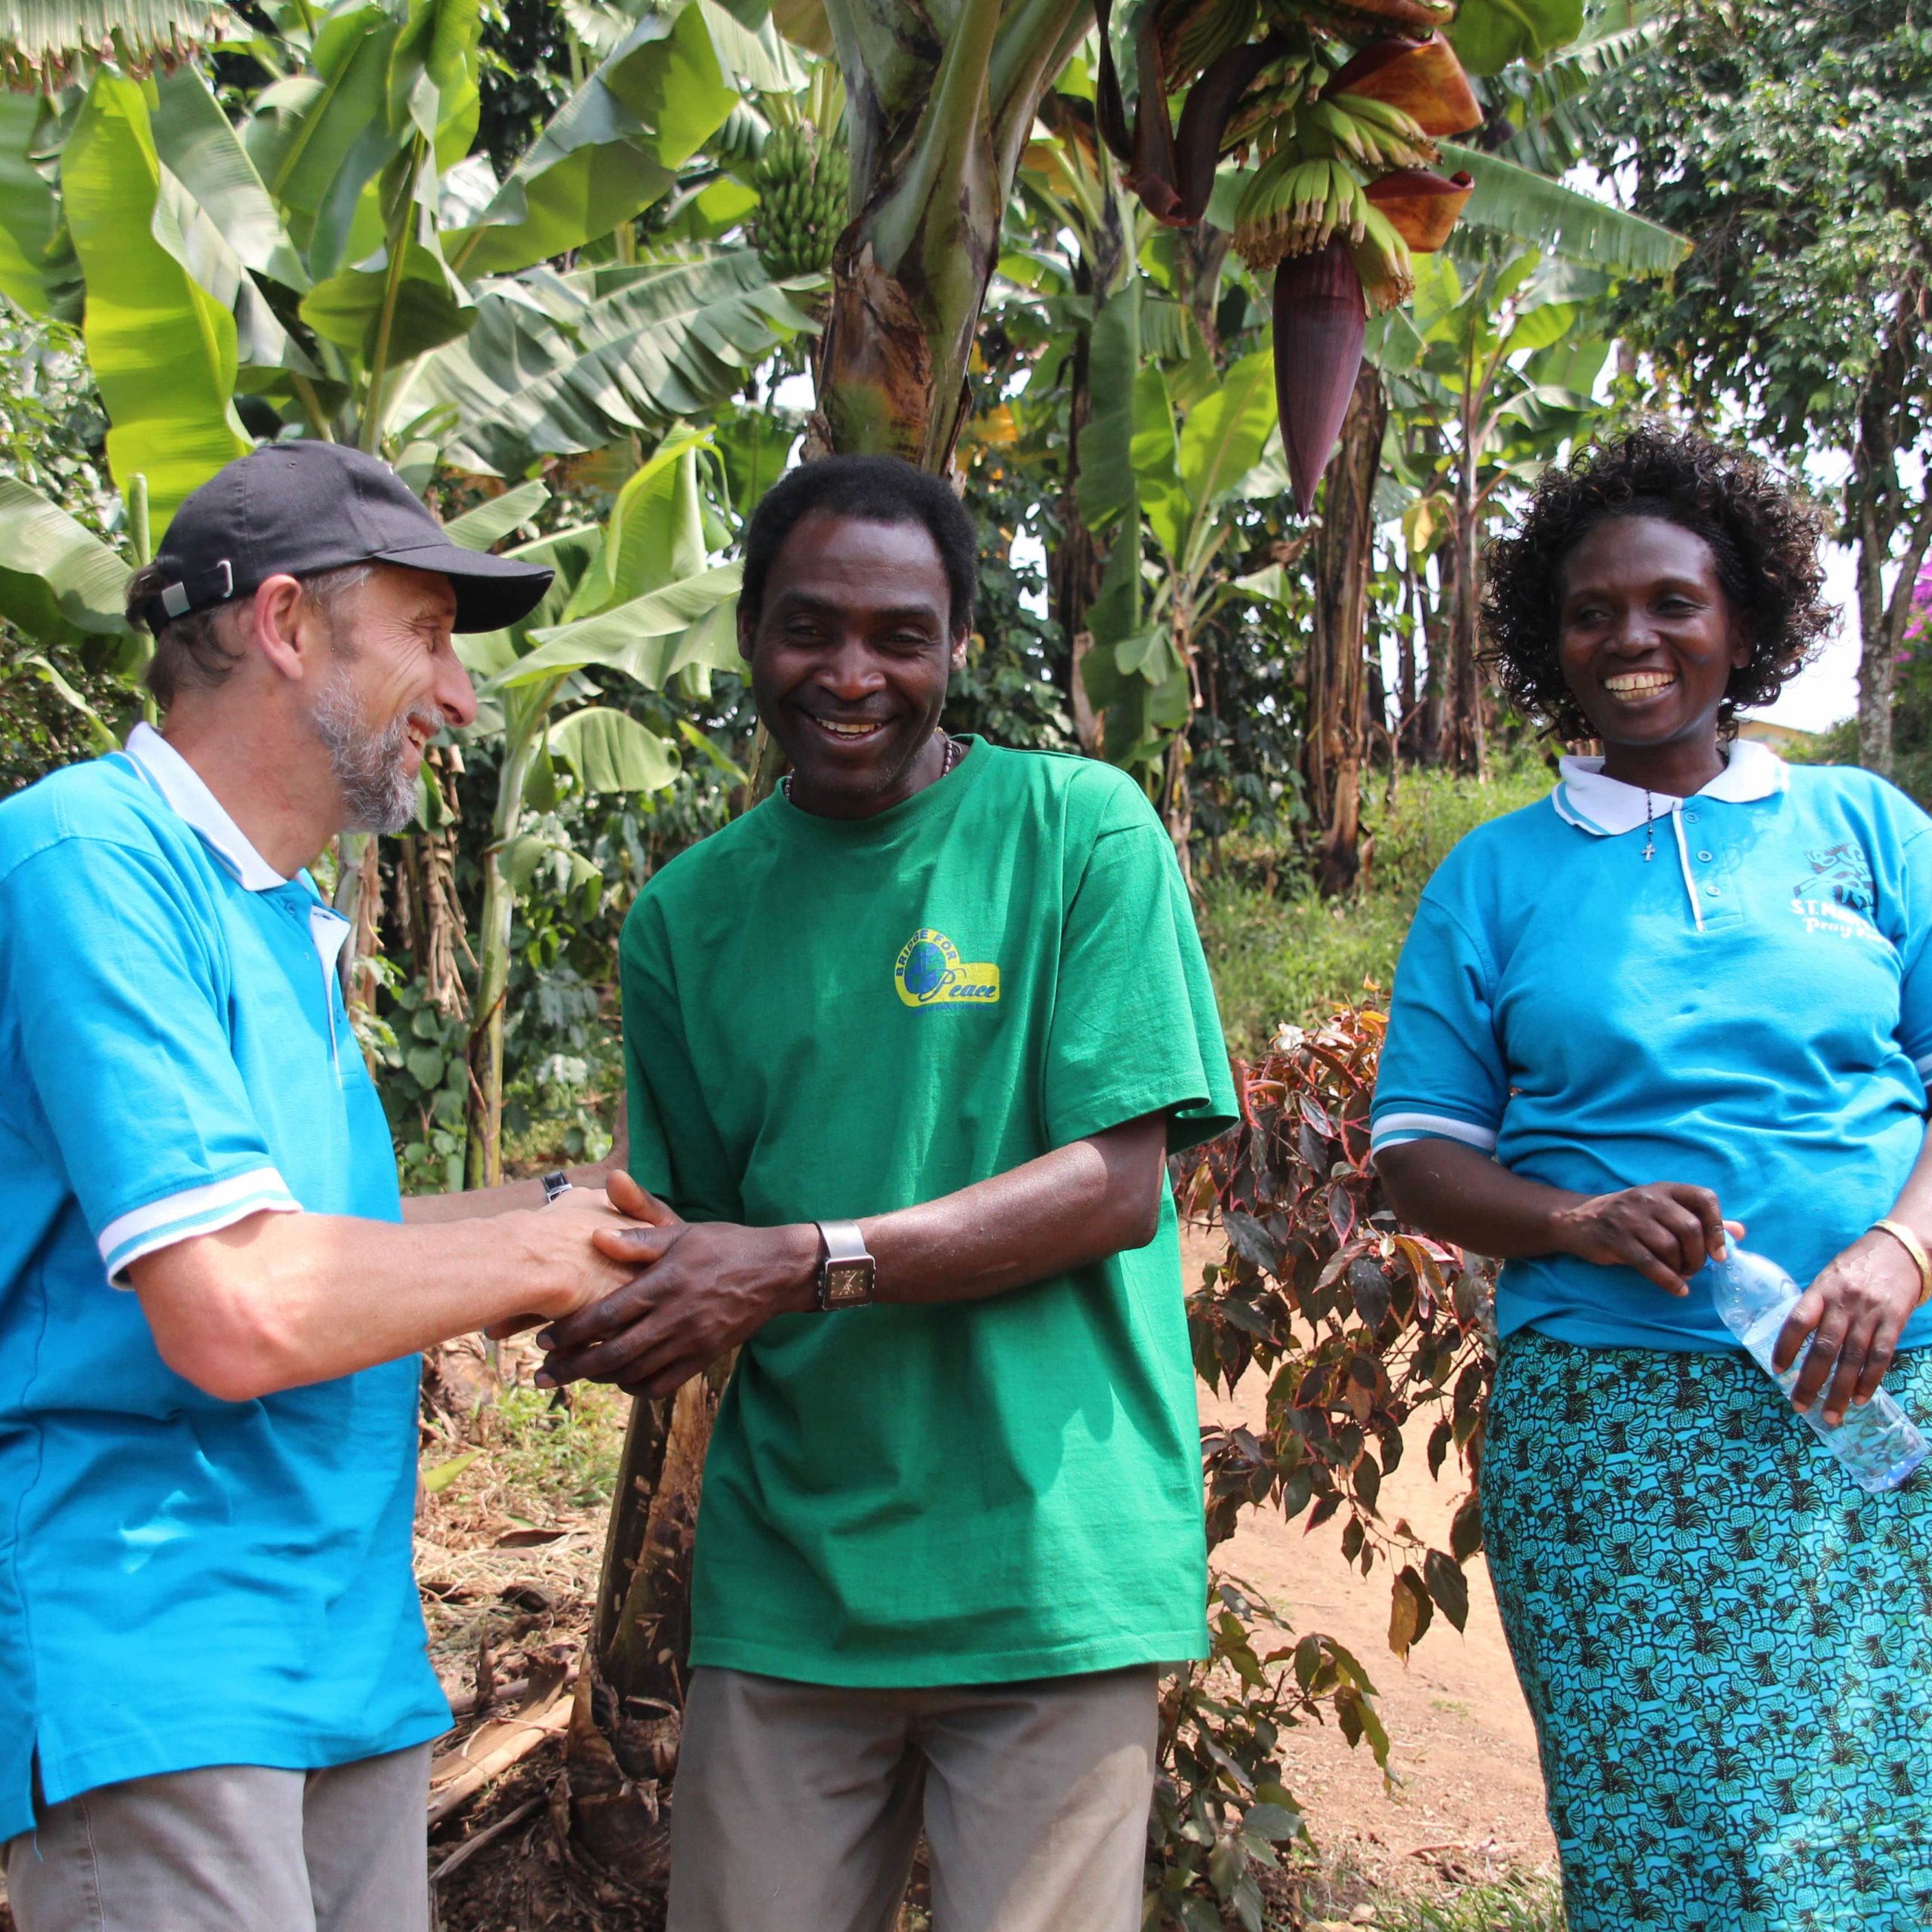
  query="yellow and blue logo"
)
[{"x": 930, "y": 972}]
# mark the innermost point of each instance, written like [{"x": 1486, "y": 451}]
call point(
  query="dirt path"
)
[{"x": 1467, "y": 1803}]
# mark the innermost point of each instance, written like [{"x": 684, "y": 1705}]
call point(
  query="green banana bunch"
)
[
  {"x": 1371, "y": 133},
  {"x": 1191, "y": 34},
  {"x": 802, "y": 192},
  {"x": 1294, "y": 204},
  {"x": 1271, "y": 103},
  {"x": 1382, "y": 260}
]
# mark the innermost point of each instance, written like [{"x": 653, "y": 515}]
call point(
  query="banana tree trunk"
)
[
  {"x": 936, "y": 123},
  {"x": 1337, "y": 721},
  {"x": 483, "y": 1152}
]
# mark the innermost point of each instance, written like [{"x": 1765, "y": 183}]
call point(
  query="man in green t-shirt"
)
[{"x": 907, "y": 1046}]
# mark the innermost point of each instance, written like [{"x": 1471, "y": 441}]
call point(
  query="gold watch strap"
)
[{"x": 1914, "y": 1247}]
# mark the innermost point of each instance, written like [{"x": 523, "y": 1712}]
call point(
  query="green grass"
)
[
  {"x": 1531, "y": 1906},
  {"x": 1278, "y": 952},
  {"x": 558, "y": 1457}
]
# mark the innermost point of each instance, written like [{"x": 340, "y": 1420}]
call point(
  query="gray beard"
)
[{"x": 378, "y": 788}]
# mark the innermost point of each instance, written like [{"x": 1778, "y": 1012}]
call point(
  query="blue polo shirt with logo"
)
[
  {"x": 1610, "y": 987},
  {"x": 183, "y": 1581}
]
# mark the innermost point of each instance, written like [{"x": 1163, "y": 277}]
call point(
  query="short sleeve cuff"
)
[
  {"x": 1392, "y": 1129},
  {"x": 196, "y": 1211}
]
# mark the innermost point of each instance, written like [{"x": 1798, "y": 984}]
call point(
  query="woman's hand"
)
[
  {"x": 1665, "y": 1230},
  {"x": 1853, "y": 1313}
]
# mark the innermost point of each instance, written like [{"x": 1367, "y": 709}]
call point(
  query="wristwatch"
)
[
  {"x": 555, "y": 1183},
  {"x": 845, "y": 1269}
]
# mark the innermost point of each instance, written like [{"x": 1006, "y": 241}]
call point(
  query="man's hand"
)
[
  {"x": 595, "y": 1208},
  {"x": 1666, "y": 1230},
  {"x": 1853, "y": 1312},
  {"x": 705, "y": 1287},
  {"x": 709, "y": 1287}
]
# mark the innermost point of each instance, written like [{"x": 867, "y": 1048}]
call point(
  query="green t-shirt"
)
[{"x": 829, "y": 1019}]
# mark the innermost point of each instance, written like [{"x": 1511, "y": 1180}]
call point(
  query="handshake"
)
[{"x": 658, "y": 1298}]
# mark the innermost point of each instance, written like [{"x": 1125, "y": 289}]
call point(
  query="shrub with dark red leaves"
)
[{"x": 1371, "y": 1335}]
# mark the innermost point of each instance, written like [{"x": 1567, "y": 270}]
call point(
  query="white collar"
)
[
  {"x": 1608, "y": 807},
  {"x": 183, "y": 787}
]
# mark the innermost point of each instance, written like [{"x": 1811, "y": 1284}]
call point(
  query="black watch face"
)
[{"x": 847, "y": 1283}]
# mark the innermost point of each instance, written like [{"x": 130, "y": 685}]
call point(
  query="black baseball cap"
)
[{"x": 302, "y": 507}]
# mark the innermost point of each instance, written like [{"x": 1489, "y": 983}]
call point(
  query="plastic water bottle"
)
[{"x": 1879, "y": 1444}]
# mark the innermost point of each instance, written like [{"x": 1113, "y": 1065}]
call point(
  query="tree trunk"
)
[
  {"x": 1408, "y": 649},
  {"x": 622, "y": 1747},
  {"x": 1335, "y": 745},
  {"x": 1463, "y": 748},
  {"x": 1882, "y": 621},
  {"x": 525, "y": 714},
  {"x": 1878, "y": 654}
]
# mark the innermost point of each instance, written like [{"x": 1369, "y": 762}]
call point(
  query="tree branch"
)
[{"x": 1898, "y": 610}]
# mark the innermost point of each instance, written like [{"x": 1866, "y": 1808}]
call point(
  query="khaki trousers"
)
[
  {"x": 799, "y": 1805},
  {"x": 233, "y": 1848}
]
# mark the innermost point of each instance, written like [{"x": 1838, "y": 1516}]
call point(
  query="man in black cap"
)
[{"x": 215, "y": 1699}]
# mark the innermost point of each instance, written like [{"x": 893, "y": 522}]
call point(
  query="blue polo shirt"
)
[
  {"x": 1748, "y": 1008},
  {"x": 183, "y": 1581}
]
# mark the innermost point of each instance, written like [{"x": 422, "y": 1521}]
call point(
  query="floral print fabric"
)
[{"x": 1726, "y": 1646}]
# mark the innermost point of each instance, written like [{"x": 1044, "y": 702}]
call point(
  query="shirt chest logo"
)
[
  {"x": 930, "y": 972},
  {"x": 1837, "y": 895}
]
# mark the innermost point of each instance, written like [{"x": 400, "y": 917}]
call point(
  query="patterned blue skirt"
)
[{"x": 1727, "y": 1647}]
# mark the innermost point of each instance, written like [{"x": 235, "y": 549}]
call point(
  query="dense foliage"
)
[{"x": 573, "y": 270}]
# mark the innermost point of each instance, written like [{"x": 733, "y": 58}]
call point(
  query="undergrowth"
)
[
  {"x": 1279, "y": 951},
  {"x": 1532, "y": 1906}
]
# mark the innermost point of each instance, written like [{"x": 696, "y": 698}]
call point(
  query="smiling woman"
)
[
  {"x": 1737, "y": 530},
  {"x": 1597, "y": 1067}
]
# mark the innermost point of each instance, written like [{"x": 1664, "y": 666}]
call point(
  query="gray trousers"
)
[
  {"x": 233, "y": 1848},
  {"x": 798, "y": 1805}
]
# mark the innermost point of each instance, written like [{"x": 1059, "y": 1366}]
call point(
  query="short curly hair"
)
[{"x": 1762, "y": 532}]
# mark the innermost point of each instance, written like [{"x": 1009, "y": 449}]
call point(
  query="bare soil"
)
[{"x": 1464, "y": 1802}]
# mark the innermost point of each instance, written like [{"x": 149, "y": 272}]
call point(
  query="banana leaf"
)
[
  {"x": 609, "y": 751},
  {"x": 1489, "y": 35},
  {"x": 47, "y": 34},
  {"x": 28, "y": 216},
  {"x": 197, "y": 145},
  {"x": 491, "y": 522},
  {"x": 431, "y": 306},
  {"x": 320, "y": 139},
  {"x": 163, "y": 350},
  {"x": 655, "y": 534},
  {"x": 650, "y": 638},
  {"x": 1549, "y": 216},
  {"x": 1223, "y": 436},
  {"x": 558, "y": 365},
  {"x": 1106, "y": 482},
  {"x": 57, "y": 579},
  {"x": 614, "y": 147}
]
